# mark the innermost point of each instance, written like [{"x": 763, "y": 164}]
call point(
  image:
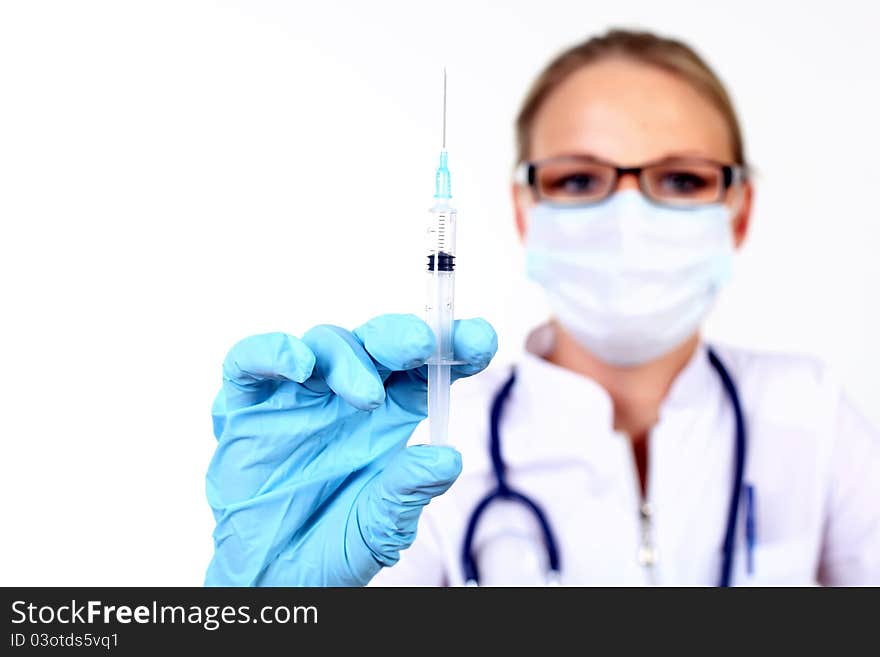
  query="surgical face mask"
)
[{"x": 630, "y": 280}]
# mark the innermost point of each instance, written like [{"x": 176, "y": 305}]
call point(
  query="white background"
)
[{"x": 177, "y": 175}]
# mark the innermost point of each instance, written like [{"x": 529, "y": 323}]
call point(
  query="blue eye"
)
[
  {"x": 683, "y": 182},
  {"x": 577, "y": 183}
]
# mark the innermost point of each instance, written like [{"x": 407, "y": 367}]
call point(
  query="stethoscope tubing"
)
[{"x": 503, "y": 491}]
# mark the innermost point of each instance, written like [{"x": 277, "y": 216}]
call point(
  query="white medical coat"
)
[{"x": 813, "y": 461}]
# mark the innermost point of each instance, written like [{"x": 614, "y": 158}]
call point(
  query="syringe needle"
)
[{"x": 444, "y": 108}]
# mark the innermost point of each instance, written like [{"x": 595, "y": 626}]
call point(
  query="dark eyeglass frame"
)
[{"x": 526, "y": 173}]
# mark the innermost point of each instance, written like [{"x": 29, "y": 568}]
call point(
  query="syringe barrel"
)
[{"x": 441, "y": 237}]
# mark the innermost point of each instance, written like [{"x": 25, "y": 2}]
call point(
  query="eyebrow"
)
[
  {"x": 671, "y": 155},
  {"x": 690, "y": 153}
]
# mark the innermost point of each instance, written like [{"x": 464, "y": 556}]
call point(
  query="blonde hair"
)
[{"x": 644, "y": 47}]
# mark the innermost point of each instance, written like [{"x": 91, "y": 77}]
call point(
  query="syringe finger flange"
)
[{"x": 445, "y": 361}]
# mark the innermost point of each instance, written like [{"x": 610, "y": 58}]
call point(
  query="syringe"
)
[{"x": 441, "y": 293}]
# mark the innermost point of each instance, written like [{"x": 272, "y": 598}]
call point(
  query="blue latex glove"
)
[{"x": 311, "y": 483}]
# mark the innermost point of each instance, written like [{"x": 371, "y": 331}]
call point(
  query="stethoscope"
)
[{"x": 503, "y": 490}]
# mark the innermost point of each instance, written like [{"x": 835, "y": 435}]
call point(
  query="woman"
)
[{"x": 623, "y": 450}]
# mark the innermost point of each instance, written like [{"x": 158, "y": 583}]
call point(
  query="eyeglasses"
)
[{"x": 583, "y": 180}]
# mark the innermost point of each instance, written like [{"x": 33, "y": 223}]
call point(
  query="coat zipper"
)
[{"x": 647, "y": 554}]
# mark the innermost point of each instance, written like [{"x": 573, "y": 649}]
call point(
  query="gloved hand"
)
[{"x": 311, "y": 483}]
